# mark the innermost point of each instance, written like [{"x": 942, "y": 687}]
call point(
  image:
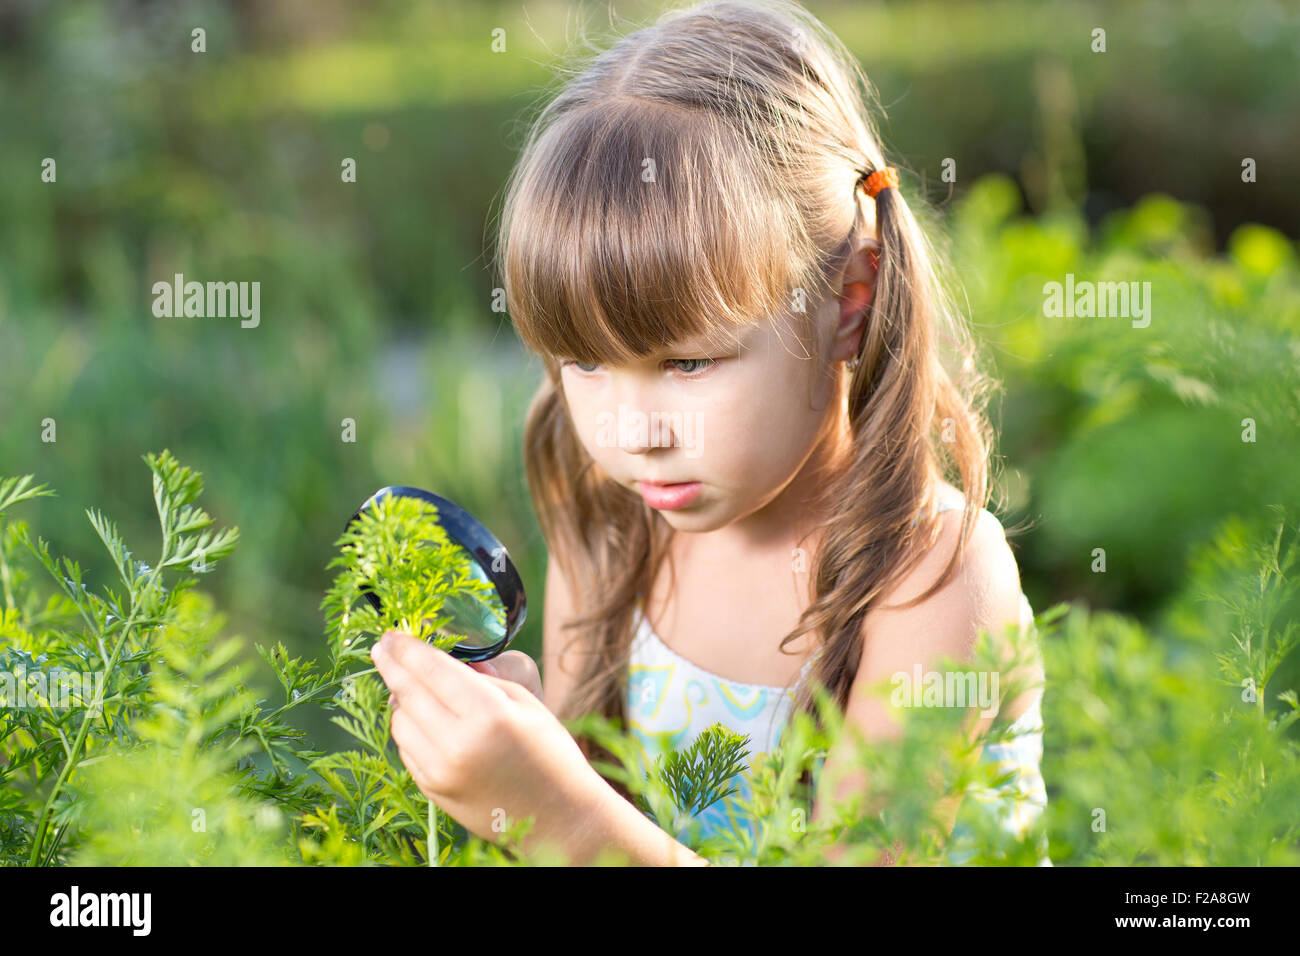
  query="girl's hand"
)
[
  {"x": 485, "y": 750},
  {"x": 516, "y": 666}
]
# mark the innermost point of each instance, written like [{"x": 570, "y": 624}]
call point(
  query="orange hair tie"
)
[{"x": 886, "y": 178}]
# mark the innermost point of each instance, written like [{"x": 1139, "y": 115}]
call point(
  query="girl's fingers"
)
[
  {"x": 415, "y": 769},
  {"x": 513, "y": 689},
  {"x": 405, "y": 662},
  {"x": 433, "y": 719},
  {"x": 519, "y": 670},
  {"x": 418, "y": 749}
]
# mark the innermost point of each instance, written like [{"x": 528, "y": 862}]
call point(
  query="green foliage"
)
[
  {"x": 1104, "y": 422},
  {"x": 111, "y": 649},
  {"x": 677, "y": 784},
  {"x": 173, "y": 761},
  {"x": 696, "y": 778},
  {"x": 1179, "y": 749},
  {"x": 174, "y": 797},
  {"x": 181, "y": 764}
]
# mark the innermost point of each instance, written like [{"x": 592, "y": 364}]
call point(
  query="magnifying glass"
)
[{"x": 485, "y": 628}]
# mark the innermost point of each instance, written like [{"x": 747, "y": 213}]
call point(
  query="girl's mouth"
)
[{"x": 669, "y": 497}]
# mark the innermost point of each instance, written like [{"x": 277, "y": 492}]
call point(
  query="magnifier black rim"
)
[{"x": 470, "y": 533}]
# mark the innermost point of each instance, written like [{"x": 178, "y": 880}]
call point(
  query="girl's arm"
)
[
  {"x": 611, "y": 825},
  {"x": 984, "y": 592}
]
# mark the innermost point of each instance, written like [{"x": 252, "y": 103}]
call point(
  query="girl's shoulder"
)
[
  {"x": 988, "y": 553},
  {"x": 983, "y": 592},
  {"x": 984, "y": 587},
  {"x": 899, "y": 637}
]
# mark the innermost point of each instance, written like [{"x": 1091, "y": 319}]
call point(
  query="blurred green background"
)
[{"x": 376, "y": 296}]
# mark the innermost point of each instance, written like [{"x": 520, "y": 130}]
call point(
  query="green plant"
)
[
  {"x": 170, "y": 759},
  {"x": 125, "y": 622},
  {"x": 1196, "y": 715},
  {"x": 174, "y": 747},
  {"x": 175, "y": 796}
]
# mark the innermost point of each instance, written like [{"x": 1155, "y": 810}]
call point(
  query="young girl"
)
[{"x": 754, "y": 385}]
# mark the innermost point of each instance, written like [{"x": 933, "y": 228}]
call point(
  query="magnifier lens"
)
[
  {"x": 478, "y": 619},
  {"x": 484, "y": 619}
]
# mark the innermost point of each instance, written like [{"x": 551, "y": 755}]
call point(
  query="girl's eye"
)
[
  {"x": 696, "y": 367},
  {"x": 706, "y": 363}
]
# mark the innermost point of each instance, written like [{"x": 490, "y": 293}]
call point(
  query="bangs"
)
[{"x": 638, "y": 226}]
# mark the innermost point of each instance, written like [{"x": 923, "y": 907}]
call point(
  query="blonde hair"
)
[{"x": 751, "y": 121}]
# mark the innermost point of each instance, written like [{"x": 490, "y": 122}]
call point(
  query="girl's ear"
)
[{"x": 857, "y": 289}]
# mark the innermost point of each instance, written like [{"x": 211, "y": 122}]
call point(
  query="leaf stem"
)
[
  {"x": 39, "y": 837},
  {"x": 315, "y": 690},
  {"x": 433, "y": 834}
]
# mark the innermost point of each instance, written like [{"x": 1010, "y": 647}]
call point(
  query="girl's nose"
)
[
  {"x": 643, "y": 429},
  {"x": 642, "y": 420}
]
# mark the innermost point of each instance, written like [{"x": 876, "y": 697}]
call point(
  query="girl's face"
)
[{"x": 740, "y": 417}]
